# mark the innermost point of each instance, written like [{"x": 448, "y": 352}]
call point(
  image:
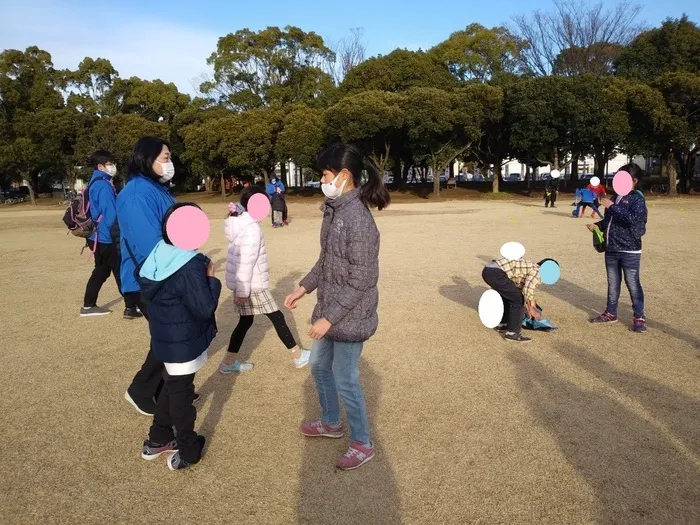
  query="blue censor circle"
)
[{"x": 550, "y": 272}]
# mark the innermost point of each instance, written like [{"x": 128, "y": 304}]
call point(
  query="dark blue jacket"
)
[
  {"x": 103, "y": 206},
  {"x": 181, "y": 311},
  {"x": 625, "y": 223},
  {"x": 141, "y": 206}
]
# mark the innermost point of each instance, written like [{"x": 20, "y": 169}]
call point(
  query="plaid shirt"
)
[{"x": 524, "y": 274}]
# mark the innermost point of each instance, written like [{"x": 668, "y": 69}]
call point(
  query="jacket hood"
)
[
  {"x": 236, "y": 225},
  {"x": 97, "y": 174},
  {"x": 165, "y": 260}
]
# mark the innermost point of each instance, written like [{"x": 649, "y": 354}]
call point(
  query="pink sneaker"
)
[
  {"x": 356, "y": 456},
  {"x": 318, "y": 429}
]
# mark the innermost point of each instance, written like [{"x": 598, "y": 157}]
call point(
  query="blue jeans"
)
[
  {"x": 616, "y": 263},
  {"x": 335, "y": 367}
]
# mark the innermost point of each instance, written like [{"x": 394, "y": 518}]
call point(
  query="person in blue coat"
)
[
  {"x": 141, "y": 207},
  {"x": 623, "y": 226},
  {"x": 102, "y": 198},
  {"x": 271, "y": 189},
  {"x": 182, "y": 293}
]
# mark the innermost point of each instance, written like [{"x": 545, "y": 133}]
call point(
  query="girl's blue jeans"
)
[
  {"x": 335, "y": 367},
  {"x": 617, "y": 264}
]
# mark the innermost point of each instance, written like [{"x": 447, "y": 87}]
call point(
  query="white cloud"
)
[{"x": 136, "y": 46}]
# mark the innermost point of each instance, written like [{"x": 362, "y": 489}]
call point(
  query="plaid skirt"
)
[{"x": 260, "y": 302}]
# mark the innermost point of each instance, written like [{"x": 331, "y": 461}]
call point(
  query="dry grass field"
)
[{"x": 587, "y": 425}]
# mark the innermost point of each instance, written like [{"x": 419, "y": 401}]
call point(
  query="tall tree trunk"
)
[
  {"x": 574, "y": 168},
  {"x": 396, "y": 171},
  {"x": 555, "y": 165},
  {"x": 283, "y": 172},
  {"x": 669, "y": 167},
  {"x": 32, "y": 193},
  {"x": 496, "y": 176},
  {"x": 436, "y": 180},
  {"x": 599, "y": 168},
  {"x": 223, "y": 187},
  {"x": 404, "y": 175},
  {"x": 208, "y": 184},
  {"x": 528, "y": 177}
]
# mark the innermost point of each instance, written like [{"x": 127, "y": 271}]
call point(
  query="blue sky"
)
[{"x": 172, "y": 40}]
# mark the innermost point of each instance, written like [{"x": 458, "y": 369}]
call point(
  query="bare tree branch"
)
[
  {"x": 349, "y": 52},
  {"x": 576, "y": 37}
]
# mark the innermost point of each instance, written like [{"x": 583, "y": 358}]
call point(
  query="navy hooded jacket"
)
[
  {"x": 182, "y": 301},
  {"x": 625, "y": 223}
]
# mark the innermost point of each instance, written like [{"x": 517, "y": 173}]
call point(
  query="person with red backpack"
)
[{"x": 101, "y": 205}]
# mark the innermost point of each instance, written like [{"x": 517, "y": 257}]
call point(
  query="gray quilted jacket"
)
[{"x": 347, "y": 270}]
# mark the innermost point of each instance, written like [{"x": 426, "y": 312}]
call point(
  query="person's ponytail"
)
[{"x": 373, "y": 193}]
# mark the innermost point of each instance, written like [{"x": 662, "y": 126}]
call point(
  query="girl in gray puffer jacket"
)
[{"x": 345, "y": 277}]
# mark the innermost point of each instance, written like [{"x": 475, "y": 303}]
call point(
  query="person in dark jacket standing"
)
[
  {"x": 624, "y": 225},
  {"x": 278, "y": 206},
  {"x": 551, "y": 188},
  {"x": 182, "y": 294},
  {"x": 141, "y": 207},
  {"x": 103, "y": 210},
  {"x": 345, "y": 315}
]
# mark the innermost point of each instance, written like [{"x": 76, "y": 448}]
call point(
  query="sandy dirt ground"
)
[{"x": 587, "y": 425}]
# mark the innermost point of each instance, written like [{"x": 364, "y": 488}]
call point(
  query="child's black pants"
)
[
  {"x": 175, "y": 409},
  {"x": 513, "y": 300}
]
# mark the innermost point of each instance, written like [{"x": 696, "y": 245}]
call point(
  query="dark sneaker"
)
[
  {"x": 516, "y": 338},
  {"x": 501, "y": 327},
  {"x": 93, "y": 311},
  {"x": 640, "y": 325},
  {"x": 175, "y": 461},
  {"x": 143, "y": 407},
  {"x": 132, "y": 313},
  {"x": 604, "y": 318},
  {"x": 151, "y": 450}
]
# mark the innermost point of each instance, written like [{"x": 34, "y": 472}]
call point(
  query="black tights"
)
[{"x": 246, "y": 321}]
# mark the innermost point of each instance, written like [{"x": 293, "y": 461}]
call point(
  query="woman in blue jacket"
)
[
  {"x": 624, "y": 225},
  {"x": 141, "y": 207}
]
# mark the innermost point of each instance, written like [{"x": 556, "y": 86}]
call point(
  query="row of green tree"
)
[{"x": 554, "y": 88}]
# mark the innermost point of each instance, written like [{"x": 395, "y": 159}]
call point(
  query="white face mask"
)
[
  {"x": 168, "y": 171},
  {"x": 111, "y": 170},
  {"x": 332, "y": 191}
]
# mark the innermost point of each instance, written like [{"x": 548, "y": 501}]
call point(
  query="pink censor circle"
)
[
  {"x": 622, "y": 183},
  {"x": 259, "y": 206},
  {"x": 188, "y": 228}
]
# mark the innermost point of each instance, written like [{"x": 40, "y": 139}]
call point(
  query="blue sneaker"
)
[
  {"x": 235, "y": 367},
  {"x": 303, "y": 360}
]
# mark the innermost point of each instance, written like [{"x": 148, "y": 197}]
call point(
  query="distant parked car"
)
[{"x": 313, "y": 184}]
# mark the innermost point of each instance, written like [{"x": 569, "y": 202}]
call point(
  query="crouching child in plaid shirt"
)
[{"x": 515, "y": 281}]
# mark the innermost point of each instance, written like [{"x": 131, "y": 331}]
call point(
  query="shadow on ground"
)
[
  {"x": 219, "y": 386},
  {"x": 365, "y": 496},
  {"x": 626, "y": 460},
  {"x": 462, "y": 293}
]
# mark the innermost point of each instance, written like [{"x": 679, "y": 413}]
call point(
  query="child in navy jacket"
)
[
  {"x": 624, "y": 225},
  {"x": 182, "y": 294}
]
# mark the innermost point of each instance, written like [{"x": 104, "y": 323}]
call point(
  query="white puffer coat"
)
[{"x": 246, "y": 263}]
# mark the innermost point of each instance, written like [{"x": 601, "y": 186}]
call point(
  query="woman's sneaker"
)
[
  {"x": 151, "y": 450},
  {"x": 604, "y": 318},
  {"x": 175, "y": 461},
  {"x": 318, "y": 429},
  {"x": 516, "y": 338},
  {"x": 303, "y": 360},
  {"x": 356, "y": 456},
  {"x": 93, "y": 311},
  {"x": 235, "y": 367},
  {"x": 640, "y": 325}
]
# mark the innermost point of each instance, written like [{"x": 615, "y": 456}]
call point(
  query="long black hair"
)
[
  {"x": 145, "y": 153},
  {"x": 341, "y": 156}
]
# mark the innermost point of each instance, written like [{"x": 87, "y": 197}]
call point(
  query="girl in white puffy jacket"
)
[{"x": 247, "y": 274}]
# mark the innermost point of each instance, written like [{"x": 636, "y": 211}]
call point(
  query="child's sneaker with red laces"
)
[
  {"x": 640, "y": 325},
  {"x": 319, "y": 429},
  {"x": 356, "y": 456},
  {"x": 604, "y": 318}
]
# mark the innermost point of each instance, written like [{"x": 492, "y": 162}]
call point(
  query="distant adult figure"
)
[
  {"x": 271, "y": 188},
  {"x": 551, "y": 188},
  {"x": 141, "y": 207},
  {"x": 102, "y": 197}
]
